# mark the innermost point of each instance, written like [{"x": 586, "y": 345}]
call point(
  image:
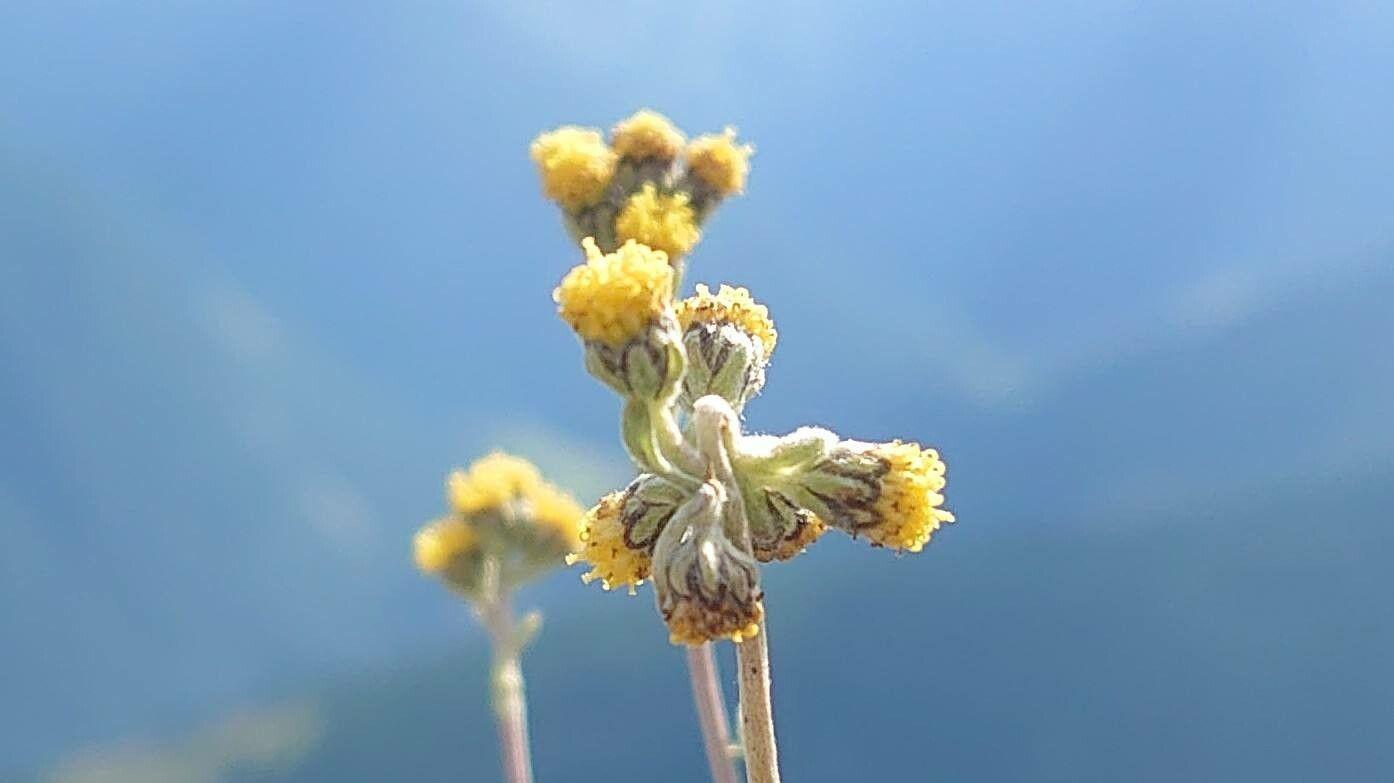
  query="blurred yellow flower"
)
[
  {"x": 662, "y": 221},
  {"x": 720, "y": 162},
  {"x": 491, "y": 483},
  {"x": 440, "y": 542},
  {"x": 575, "y": 165},
  {"x": 646, "y": 134},
  {"x": 558, "y": 511}
]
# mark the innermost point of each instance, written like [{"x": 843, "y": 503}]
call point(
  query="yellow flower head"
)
[
  {"x": 491, "y": 482},
  {"x": 720, "y": 162},
  {"x": 613, "y": 561},
  {"x": 729, "y": 306},
  {"x": 618, "y": 535},
  {"x": 575, "y": 165},
  {"x": 613, "y": 297},
  {"x": 500, "y": 481},
  {"x": 662, "y": 221},
  {"x": 647, "y": 134},
  {"x": 440, "y": 542},
  {"x": 908, "y": 505},
  {"x": 556, "y": 510}
]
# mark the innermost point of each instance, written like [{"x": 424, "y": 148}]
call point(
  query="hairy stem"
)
[
  {"x": 671, "y": 441},
  {"x": 711, "y": 712},
  {"x": 757, "y": 713},
  {"x": 507, "y": 690}
]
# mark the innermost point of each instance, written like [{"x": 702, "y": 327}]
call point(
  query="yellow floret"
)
[
  {"x": 647, "y": 134},
  {"x": 663, "y": 222},
  {"x": 729, "y": 306},
  {"x": 603, "y": 547},
  {"x": 575, "y": 165},
  {"x": 440, "y": 542},
  {"x": 908, "y": 505},
  {"x": 491, "y": 482},
  {"x": 720, "y": 162},
  {"x": 612, "y": 298}
]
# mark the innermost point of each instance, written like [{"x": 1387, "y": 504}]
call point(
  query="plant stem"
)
[
  {"x": 757, "y": 713},
  {"x": 711, "y": 712},
  {"x": 508, "y": 691}
]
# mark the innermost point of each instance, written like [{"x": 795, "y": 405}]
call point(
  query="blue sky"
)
[{"x": 272, "y": 268}]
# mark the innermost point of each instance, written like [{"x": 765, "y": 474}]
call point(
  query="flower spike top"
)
[
  {"x": 613, "y": 297},
  {"x": 648, "y": 184},
  {"x": 501, "y": 512},
  {"x": 710, "y": 504}
]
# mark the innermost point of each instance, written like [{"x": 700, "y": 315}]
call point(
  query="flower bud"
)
[
  {"x": 779, "y": 528},
  {"x": 619, "y": 533},
  {"x": 706, "y": 587},
  {"x": 888, "y": 492},
  {"x": 729, "y": 339},
  {"x": 620, "y": 304}
]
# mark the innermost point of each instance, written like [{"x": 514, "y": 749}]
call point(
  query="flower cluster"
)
[
  {"x": 506, "y": 526},
  {"x": 649, "y": 184},
  {"x": 711, "y": 503}
]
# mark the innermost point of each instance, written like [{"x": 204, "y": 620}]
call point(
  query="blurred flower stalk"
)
[
  {"x": 506, "y": 526},
  {"x": 711, "y": 503}
]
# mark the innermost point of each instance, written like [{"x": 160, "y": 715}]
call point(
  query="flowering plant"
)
[{"x": 711, "y": 503}]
